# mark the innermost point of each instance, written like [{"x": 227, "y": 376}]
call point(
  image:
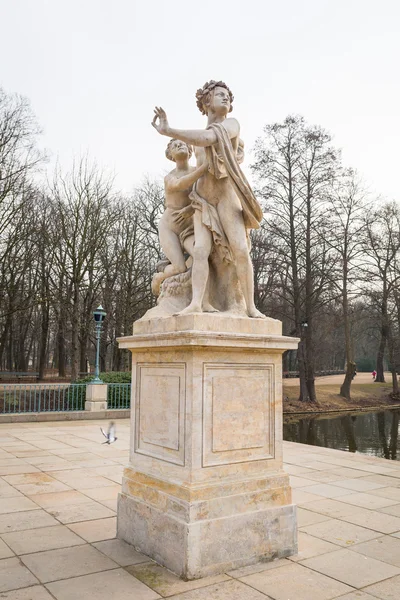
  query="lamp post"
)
[{"x": 99, "y": 316}]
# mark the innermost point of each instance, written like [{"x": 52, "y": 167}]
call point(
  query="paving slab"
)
[
  {"x": 358, "y": 485},
  {"x": 301, "y": 498},
  {"x": 228, "y": 590},
  {"x": 340, "y": 532},
  {"x": 80, "y": 480},
  {"x": 307, "y": 517},
  {"x": 120, "y": 552},
  {"x": 60, "y": 499},
  {"x": 357, "y": 596},
  {"x": 385, "y": 590},
  {"x": 311, "y": 546},
  {"x": 384, "y": 480},
  {"x": 8, "y": 491},
  {"x": 38, "y": 592},
  {"x": 388, "y": 492},
  {"x": 351, "y": 568},
  {"x": 43, "y": 538},
  {"x": 80, "y": 512},
  {"x": 297, "y": 582},
  {"x": 369, "y": 501},
  {"x": 332, "y": 508},
  {"x": 386, "y": 548},
  {"x": 13, "y": 470},
  {"x": 14, "y": 575},
  {"x": 116, "y": 585},
  {"x": 375, "y": 520},
  {"x": 258, "y": 567},
  {"x": 103, "y": 493},
  {"x": 166, "y": 583},
  {"x": 326, "y": 490},
  {"x": 67, "y": 562},
  {"x": 393, "y": 510},
  {"x": 97, "y": 530},
  {"x": 5, "y": 550},
  {"x": 26, "y": 520},
  {"x": 20, "y": 504}
]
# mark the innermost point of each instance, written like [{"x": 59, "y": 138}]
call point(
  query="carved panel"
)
[
  {"x": 238, "y": 413},
  {"x": 160, "y": 411}
]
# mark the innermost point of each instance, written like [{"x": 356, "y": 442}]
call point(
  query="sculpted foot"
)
[
  {"x": 192, "y": 308},
  {"x": 255, "y": 314},
  {"x": 207, "y": 307}
]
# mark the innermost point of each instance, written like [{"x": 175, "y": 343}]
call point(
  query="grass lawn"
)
[{"x": 363, "y": 395}]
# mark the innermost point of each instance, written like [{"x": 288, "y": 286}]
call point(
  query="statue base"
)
[{"x": 205, "y": 491}]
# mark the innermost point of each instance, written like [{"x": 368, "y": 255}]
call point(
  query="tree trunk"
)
[
  {"x": 75, "y": 317},
  {"x": 3, "y": 339},
  {"x": 309, "y": 353},
  {"x": 44, "y": 331},
  {"x": 348, "y": 378},
  {"x": 302, "y": 373},
  {"x": 395, "y": 382},
  {"x": 350, "y": 364},
  {"x": 61, "y": 354},
  {"x": 83, "y": 349},
  {"x": 380, "y": 376}
]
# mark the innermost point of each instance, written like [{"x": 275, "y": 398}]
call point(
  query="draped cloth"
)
[
  {"x": 225, "y": 163},
  {"x": 211, "y": 220}
]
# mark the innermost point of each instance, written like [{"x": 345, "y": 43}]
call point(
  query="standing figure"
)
[{"x": 225, "y": 206}]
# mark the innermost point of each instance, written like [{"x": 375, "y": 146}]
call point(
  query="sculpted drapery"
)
[{"x": 209, "y": 212}]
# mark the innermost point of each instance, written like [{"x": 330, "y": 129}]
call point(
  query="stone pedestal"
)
[
  {"x": 204, "y": 491},
  {"x": 96, "y": 396}
]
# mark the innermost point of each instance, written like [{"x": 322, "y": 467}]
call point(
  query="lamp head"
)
[{"x": 99, "y": 314}]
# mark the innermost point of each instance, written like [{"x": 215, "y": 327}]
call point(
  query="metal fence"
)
[
  {"x": 51, "y": 397},
  {"x": 57, "y": 397},
  {"x": 118, "y": 395}
]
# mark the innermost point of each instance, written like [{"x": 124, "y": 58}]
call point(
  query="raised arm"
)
[
  {"x": 196, "y": 137},
  {"x": 178, "y": 184}
]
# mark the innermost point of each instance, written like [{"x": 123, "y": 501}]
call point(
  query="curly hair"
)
[
  {"x": 203, "y": 94},
  {"x": 168, "y": 152}
]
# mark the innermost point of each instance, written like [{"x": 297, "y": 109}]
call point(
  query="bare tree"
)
[
  {"x": 296, "y": 167},
  {"x": 346, "y": 236},
  {"x": 82, "y": 216},
  {"x": 382, "y": 248}
]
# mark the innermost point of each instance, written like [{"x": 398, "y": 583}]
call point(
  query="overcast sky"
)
[{"x": 94, "y": 69}]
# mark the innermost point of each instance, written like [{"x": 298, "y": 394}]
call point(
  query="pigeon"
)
[{"x": 110, "y": 435}]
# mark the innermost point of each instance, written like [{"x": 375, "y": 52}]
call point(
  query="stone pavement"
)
[{"x": 58, "y": 493}]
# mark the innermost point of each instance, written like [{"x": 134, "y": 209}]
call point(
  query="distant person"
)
[{"x": 373, "y": 375}]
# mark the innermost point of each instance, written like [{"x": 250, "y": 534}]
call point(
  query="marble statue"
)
[
  {"x": 215, "y": 203},
  {"x": 205, "y": 491}
]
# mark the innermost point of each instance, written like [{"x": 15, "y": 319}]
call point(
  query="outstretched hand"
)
[{"x": 160, "y": 121}]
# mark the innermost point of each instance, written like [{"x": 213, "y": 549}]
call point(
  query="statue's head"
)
[
  {"x": 215, "y": 95},
  {"x": 177, "y": 149}
]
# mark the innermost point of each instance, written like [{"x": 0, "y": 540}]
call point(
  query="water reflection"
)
[{"x": 369, "y": 433}]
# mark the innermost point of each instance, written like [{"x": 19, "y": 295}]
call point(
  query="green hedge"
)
[{"x": 110, "y": 377}]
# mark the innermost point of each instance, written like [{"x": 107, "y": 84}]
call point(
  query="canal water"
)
[{"x": 375, "y": 433}]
